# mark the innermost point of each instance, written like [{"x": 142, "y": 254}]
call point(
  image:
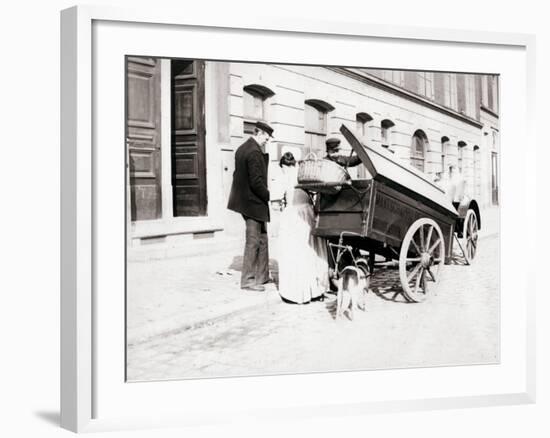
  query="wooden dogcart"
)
[{"x": 398, "y": 214}]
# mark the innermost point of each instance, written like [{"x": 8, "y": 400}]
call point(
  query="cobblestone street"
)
[{"x": 459, "y": 324}]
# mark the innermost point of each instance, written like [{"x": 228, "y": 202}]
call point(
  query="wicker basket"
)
[{"x": 321, "y": 175}]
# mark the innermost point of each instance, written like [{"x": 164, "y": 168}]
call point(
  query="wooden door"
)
[
  {"x": 188, "y": 139},
  {"x": 143, "y": 137}
]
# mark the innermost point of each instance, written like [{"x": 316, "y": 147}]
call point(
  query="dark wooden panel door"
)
[
  {"x": 143, "y": 137},
  {"x": 188, "y": 138}
]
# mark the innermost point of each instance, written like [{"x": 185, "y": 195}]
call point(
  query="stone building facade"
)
[{"x": 186, "y": 118}]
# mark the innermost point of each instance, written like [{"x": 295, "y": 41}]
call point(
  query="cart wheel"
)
[
  {"x": 469, "y": 236},
  {"x": 421, "y": 258}
]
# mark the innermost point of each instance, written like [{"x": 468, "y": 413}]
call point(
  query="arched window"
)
[
  {"x": 362, "y": 125},
  {"x": 255, "y": 99},
  {"x": 362, "y": 120},
  {"x": 316, "y": 122},
  {"x": 385, "y": 134},
  {"x": 444, "y": 152},
  {"x": 460, "y": 161},
  {"x": 418, "y": 149}
]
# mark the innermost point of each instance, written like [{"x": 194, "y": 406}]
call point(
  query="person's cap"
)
[
  {"x": 265, "y": 127},
  {"x": 333, "y": 144}
]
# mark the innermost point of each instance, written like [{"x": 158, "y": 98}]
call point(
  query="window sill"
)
[{"x": 176, "y": 225}]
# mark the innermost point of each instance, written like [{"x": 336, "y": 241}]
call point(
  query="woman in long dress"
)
[{"x": 303, "y": 263}]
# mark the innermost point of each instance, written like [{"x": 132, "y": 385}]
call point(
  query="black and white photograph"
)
[
  {"x": 284, "y": 219},
  {"x": 289, "y": 219}
]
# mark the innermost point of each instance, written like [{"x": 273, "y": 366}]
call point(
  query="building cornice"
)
[
  {"x": 401, "y": 92},
  {"x": 489, "y": 111}
]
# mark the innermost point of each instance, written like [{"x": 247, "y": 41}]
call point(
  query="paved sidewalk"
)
[{"x": 170, "y": 296}]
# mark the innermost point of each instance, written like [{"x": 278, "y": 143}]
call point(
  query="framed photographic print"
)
[{"x": 291, "y": 219}]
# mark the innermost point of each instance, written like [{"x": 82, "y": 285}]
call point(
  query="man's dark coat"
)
[{"x": 249, "y": 193}]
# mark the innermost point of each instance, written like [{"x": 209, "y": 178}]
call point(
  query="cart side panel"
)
[
  {"x": 392, "y": 214},
  {"x": 331, "y": 224},
  {"x": 347, "y": 210}
]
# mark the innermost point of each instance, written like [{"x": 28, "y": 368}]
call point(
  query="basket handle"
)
[{"x": 307, "y": 157}]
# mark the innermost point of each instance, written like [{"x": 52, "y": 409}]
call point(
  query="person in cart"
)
[{"x": 333, "y": 154}]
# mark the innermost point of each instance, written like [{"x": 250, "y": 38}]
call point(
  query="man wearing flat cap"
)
[
  {"x": 333, "y": 154},
  {"x": 250, "y": 197}
]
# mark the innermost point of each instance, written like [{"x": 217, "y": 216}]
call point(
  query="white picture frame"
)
[{"x": 82, "y": 369}]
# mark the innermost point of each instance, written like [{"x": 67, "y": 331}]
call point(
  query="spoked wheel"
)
[
  {"x": 421, "y": 259},
  {"x": 470, "y": 236}
]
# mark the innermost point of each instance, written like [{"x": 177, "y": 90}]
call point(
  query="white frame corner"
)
[{"x": 77, "y": 197}]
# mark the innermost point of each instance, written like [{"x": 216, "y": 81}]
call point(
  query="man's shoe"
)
[
  {"x": 254, "y": 288},
  {"x": 269, "y": 280}
]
